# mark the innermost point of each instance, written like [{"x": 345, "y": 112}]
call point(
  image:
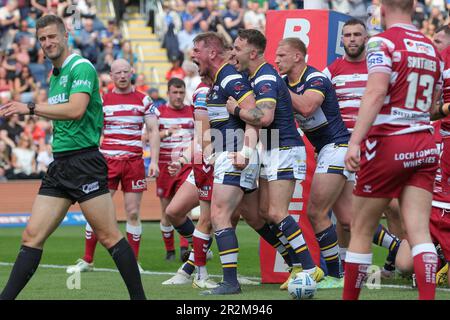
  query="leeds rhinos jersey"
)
[
  {"x": 268, "y": 86},
  {"x": 325, "y": 125},
  {"x": 227, "y": 131}
]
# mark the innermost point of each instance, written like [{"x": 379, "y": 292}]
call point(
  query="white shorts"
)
[
  {"x": 191, "y": 178},
  {"x": 331, "y": 160},
  {"x": 285, "y": 163},
  {"x": 226, "y": 173}
]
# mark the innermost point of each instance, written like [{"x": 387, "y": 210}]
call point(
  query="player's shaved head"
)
[
  {"x": 401, "y": 5},
  {"x": 120, "y": 63},
  {"x": 294, "y": 43}
]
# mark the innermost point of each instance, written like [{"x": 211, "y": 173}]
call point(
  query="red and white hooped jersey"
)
[
  {"x": 172, "y": 146},
  {"x": 415, "y": 70},
  {"x": 445, "y": 122},
  {"x": 349, "y": 80},
  {"x": 124, "y": 117},
  {"x": 199, "y": 98}
]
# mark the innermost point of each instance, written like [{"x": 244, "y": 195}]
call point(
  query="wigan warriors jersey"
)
[
  {"x": 172, "y": 146},
  {"x": 441, "y": 198},
  {"x": 124, "y": 117},
  {"x": 199, "y": 98},
  {"x": 414, "y": 66},
  {"x": 445, "y": 122},
  {"x": 349, "y": 80}
]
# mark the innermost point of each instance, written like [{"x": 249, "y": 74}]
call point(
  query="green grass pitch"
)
[{"x": 67, "y": 244}]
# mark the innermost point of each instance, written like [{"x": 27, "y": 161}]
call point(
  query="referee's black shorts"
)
[{"x": 77, "y": 175}]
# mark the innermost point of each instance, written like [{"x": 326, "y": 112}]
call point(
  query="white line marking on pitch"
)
[{"x": 53, "y": 266}]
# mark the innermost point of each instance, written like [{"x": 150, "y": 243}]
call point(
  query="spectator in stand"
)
[
  {"x": 105, "y": 58},
  {"x": 88, "y": 41},
  {"x": 436, "y": 18},
  {"x": 42, "y": 7},
  {"x": 192, "y": 14},
  {"x": 23, "y": 159},
  {"x": 185, "y": 38},
  {"x": 176, "y": 71},
  {"x": 9, "y": 20},
  {"x": 233, "y": 18},
  {"x": 192, "y": 80},
  {"x": 34, "y": 131},
  {"x": 5, "y": 162},
  {"x": 44, "y": 157},
  {"x": 24, "y": 34},
  {"x": 31, "y": 19},
  {"x": 141, "y": 84},
  {"x": 157, "y": 100},
  {"x": 6, "y": 85},
  {"x": 24, "y": 85},
  {"x": 254, "y": 18},
  {"x": 111, "y": 35},
  {"x": 13, "y": 129},
  {"x": 127, "y": 53}
]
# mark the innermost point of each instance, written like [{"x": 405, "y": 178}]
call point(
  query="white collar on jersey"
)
[
  {"x": 68, "y": 59},
  {"x": 115, "y": 91}
]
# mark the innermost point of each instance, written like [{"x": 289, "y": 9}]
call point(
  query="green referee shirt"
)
[{"x": 77, "y": 74}]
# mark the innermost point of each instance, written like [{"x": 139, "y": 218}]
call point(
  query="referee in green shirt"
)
[{"x": 79, "y": 172}]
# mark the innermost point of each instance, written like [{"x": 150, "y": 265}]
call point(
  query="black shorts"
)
[{"x": 76, "y": 175}]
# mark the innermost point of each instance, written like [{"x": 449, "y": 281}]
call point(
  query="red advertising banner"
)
[{"x": 321, "y": 31}]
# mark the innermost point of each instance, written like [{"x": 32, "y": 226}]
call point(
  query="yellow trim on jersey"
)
[
  {"x": 392, "y": 245},
  {"x": 284, "y": 148},
  {"x": 245, "y": 96},
  {"x": 314, "y": 90},
  {"x": 299, "y": 79},
  {"x": 285, "y": 169},
  {"x": 191, "y": 263},
  {"x": 336, "y": 168},
  {"x": 301, "y": 249},
  {"x": 380, "y": 237},
  {"x": 343, "y": 145},
  {"x": 218, "y": 120},
  {"x": 229, "y": 251},
  {"x": 229, "y": 266},
  {"x": 257, "y": 69},
  {"x": 266, "y": 99},
  {"x": 217, "y": 73},
  {"x": 329, "y": 246},
  {"x": 277, "y": 244},
  {"x": 332, "y": 257},
  {"x": 237, "y": 174},
  {"x": 296, "y": 233},
  {"x": 217, "y": 104}
]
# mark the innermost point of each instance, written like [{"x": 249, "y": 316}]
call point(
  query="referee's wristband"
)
[
  {"x": 237, "y": 111},
  {"x": 441, "y": 110}
]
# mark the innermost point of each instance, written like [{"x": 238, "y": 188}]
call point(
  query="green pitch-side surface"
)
[{"x": 66, "y": 245}]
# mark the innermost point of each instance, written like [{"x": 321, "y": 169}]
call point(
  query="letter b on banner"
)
[{"x": 297, "y": 28}]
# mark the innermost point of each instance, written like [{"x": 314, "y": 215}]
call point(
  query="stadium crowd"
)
[{"x": 25, "y": 143}]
